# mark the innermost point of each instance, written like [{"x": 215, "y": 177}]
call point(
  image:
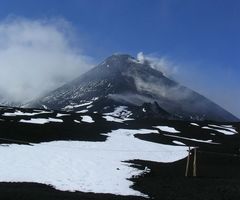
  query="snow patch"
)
[
  {"x": 61, "y": 115},
  {"x": 227, "y": 131},
  {"x": 167, "y": 129},
  {"x": 45, "y": 107},
  {"x": 40, "y": 120},
  {"x": 82, "y": 111},
  {"x": 83, "y": 104},
  {"x": 194, "y": 124},
  {"x": 229, "y": 127},
  {"x": 192, "y": 139},
  {"x": 95, "y": 98},
  {"x": 113, "y": 119},
  {"x": 120, "y": 114},
  {"x": 87, "y": 119},
  {"x": 179, "y": 143},
  {"x": 85, "y": 166},
  {"x": 70, "y": 107},
  {"x": 18, "y": 113}
]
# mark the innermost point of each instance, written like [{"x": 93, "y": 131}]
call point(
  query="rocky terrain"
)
[{"x": 54, "y": 154}]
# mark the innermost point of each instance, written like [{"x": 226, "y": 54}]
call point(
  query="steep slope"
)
[{"x": 122, "y": 80}]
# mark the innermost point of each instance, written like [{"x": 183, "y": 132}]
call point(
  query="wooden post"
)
[
  {"x": 187, "y": 166},
  {"x": 194, "y": 163}
]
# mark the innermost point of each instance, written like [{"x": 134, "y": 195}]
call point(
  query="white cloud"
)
[{"x": 37, "y": 56}]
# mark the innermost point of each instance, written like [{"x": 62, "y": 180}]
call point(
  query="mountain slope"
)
[{"x": 122, "y": 80}]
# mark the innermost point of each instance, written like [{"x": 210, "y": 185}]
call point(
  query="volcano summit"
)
[{"x": 122, "y": 80}]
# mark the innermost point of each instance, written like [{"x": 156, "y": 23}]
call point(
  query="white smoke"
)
[
  {"x": 162, "y": 64},
  {"x": 195, "y": 77},
  {"x": 156, "y": 85},
  {"x": 141, "y": 57},
  {"x": 37, "y": 56}
]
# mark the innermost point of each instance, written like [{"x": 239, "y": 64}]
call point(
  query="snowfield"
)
[
  {"x": 20, "y": 113},
  {"x": 97, "y": 167},
  {"x": 41, "y": 120},
  {"x": 87, "y": 119},
  {"x": 191, "y": 139},
  {"x": 226, "y": 130},
  {"x": 167, "y": 129},
  {"x": 120, "y": 114}
]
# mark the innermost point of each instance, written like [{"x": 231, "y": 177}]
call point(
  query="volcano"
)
[
  {"x": 121, "y": 131},
  {"x": 120, "y": 82}
]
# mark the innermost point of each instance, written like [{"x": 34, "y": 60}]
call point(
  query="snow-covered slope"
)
[
  {"x": 85, "y": 166},
  {"x": 121, "y": 80},
  {"x": 92, "y": 152}
]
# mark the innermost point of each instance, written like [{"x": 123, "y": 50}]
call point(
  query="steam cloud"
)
[
  {"x": 161, "y": 64},
  {"x": 37, "y": 56},
  {"x": 156, "y": 86},
  {"x": 195, "y": 78}
]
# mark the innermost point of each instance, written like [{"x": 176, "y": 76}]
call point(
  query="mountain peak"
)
[
  {"x": 126, "y": 81},
  {"x": 123, "y": 62},
  {"x": 120, "y": 56},
  {"x": 119, "y": 59}
]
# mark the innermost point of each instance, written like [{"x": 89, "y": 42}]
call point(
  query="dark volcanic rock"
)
[{"x": 217, "y": 154}]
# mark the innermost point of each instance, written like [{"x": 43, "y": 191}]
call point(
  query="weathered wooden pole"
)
[
  {"x": 187, "y": 166},
  {"x": 195, "y": 163}
]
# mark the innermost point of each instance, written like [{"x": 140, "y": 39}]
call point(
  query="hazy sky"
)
[{"x": 198, "y": 42}]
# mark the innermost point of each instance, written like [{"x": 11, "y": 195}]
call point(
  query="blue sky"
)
[{"x": 201, "y": 38}]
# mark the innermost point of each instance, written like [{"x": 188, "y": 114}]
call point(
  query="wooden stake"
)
[
  {"x": 194, "y": 163},
  {"x": 187, "y": 166}
]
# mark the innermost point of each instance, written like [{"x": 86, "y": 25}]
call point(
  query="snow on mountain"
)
[{"x": 122, "y": 80}]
